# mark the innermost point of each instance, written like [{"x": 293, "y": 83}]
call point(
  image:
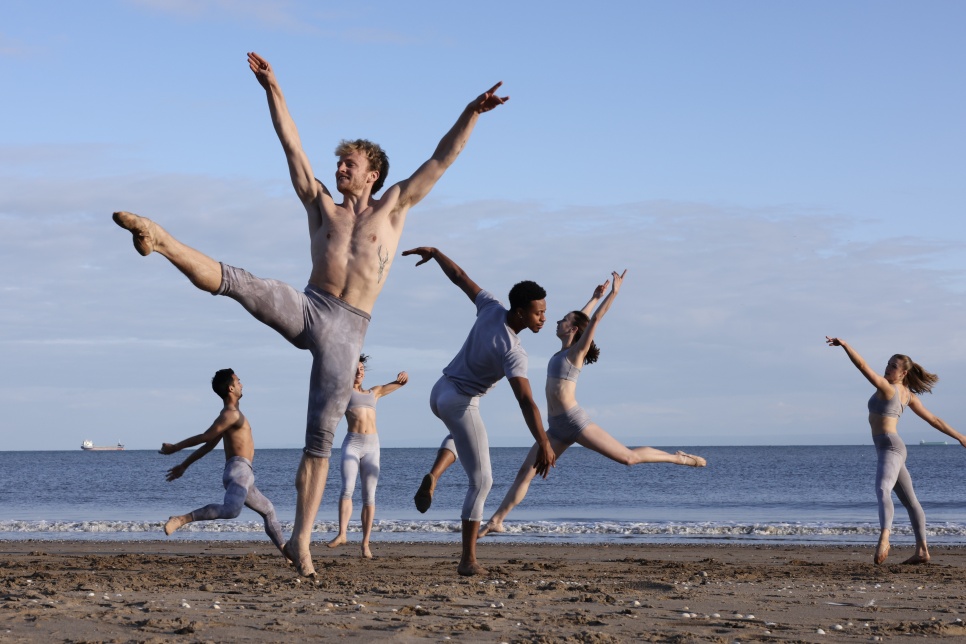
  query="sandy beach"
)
[{"x": 241, "y": 591}]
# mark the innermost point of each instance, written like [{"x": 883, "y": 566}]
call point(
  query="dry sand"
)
[{"x": 241, "y": 591}]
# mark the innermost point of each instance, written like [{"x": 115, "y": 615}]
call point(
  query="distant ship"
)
[
  {"x": 89, "y": 446},
  {"x": 933, "y": 443}
]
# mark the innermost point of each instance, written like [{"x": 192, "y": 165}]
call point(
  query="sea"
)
[{"x": 754, "y": 495}]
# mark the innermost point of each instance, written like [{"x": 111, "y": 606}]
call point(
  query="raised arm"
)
[
  {"x": 877, "y": 380},
  {"x": 455, "y": 274},
  {"x": 580, "y": 348},
  {"x": 384, "y": 390},
  {"x": 599, "y": 291},
  {"x": 306, "y": 186},
  {"x": 546, "y": 458},
  {"x": 916, "y": 405},
  {"x": 413, "y": 189},
  {"x": 178, "y": 470}
]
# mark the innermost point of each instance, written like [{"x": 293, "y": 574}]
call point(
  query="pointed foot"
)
[
  {"x": 143, "y": 230},
  {"x": 691, "y": 460},
  {"x": 424, "y": 495},
  {"x": 172, "y": 524}
]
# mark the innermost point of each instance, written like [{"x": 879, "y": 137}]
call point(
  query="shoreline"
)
[{"x": 241, "y": 590}]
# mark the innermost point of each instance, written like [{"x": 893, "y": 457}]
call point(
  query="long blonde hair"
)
[{"x": 918, "y": 380}]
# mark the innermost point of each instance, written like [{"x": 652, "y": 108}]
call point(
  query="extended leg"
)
[
  {"x": 203, "y": 271},
  {"x": 595, "y": 438},
  {"x": 237, "y": 479}
]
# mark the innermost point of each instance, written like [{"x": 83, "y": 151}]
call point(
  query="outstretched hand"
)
[
  {"x": 262, "y": 70},
  {"x": 833, "y": 342},
  {"x": 488, "y": 100},
  {"x": 167, "y": 448},
  {"x": 402, "y": 378},
  {"x": 425, "y": 252},
  {"x": 617, "y": 281},
  {"x": 176, "y": 472}
]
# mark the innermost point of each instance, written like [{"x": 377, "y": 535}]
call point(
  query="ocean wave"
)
[{"x": 542, "y": 530}]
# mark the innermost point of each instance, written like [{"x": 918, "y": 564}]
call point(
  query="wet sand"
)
[{"x": 242, "y": 591}]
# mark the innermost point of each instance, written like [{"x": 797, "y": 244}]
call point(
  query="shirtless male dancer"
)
[
  {"x": 492, "y": 351},
  {"x": 232, "y": 427},
  {"x": 352, "y": 248}
]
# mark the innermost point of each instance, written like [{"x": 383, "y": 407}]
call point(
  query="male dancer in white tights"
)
[
  {"x": 352, "y": 247},
  {"x": 491, "y": 352}
]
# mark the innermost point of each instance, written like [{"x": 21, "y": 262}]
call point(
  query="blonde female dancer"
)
[
  {"x": 894, "y": 391},
  {"x": 568, "y": 422},
  {"x": 360, "y": 453}
]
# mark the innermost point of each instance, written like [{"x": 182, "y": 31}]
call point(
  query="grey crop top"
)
[
  {"x": 891, "y": 408},
  {"x": 362, "y": 399},
  {"x": 561, "y": 367}
]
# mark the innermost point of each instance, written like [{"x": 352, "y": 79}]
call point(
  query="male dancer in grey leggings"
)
[
  {"x": 232, "y": 427},
  {"x": 352, "y": 248},
  {"x": 492, "y": 351}
]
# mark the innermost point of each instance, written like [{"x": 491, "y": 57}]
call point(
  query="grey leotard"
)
[
  {"x": 240, "y": 491},
  {"x": 318, "y": 322},
  {"x": 561, "y": 367},
  {"x": 891, "y": 408}
]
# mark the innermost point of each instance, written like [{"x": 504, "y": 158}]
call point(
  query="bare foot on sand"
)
[
  {"x": 918, "y": 558},
  {"x": 470, "y": 569},
  {"x": 174, "y": 523},
  {"x": 366, "y": 553},
  {"x": 338, "y": 541},
  {"x": 303, "y": 563},
  {"x": 491, "y": 526},
  {"x": 424, "y": 495},
  {"x": 143, "y": 229},
  {"x": 691, "y": 460},
  {"x": 882, "y": 550}
]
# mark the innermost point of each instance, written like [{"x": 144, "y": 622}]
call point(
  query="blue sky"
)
[{"x": 768, "y": 173}]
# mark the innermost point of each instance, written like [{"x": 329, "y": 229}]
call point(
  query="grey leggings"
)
[
  {"x": 319, "y": 322},
  {"x": 467, "y": 440},
  {"x": 240, "y": 490},
  {"x": 891, "y": 474},
  {"x": 360, "y": 456}
]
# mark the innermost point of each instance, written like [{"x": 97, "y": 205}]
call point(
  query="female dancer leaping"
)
[
  {"x": 568, "y": 423},
  {"x": 896, "y": 390},
  {"x": 360, "y": 453}
]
